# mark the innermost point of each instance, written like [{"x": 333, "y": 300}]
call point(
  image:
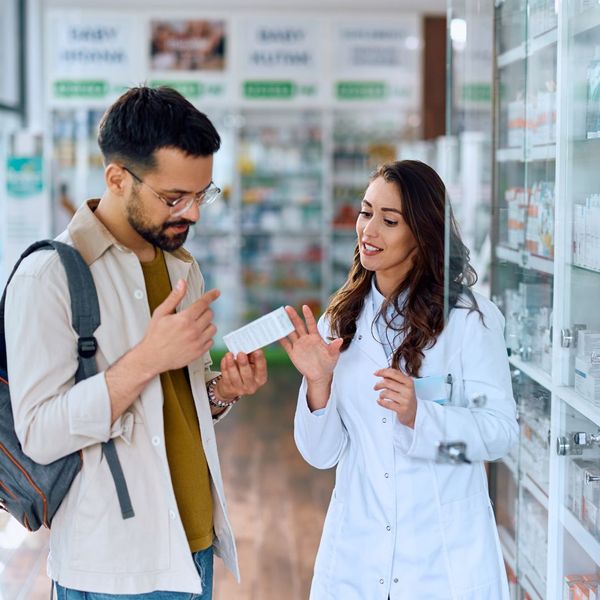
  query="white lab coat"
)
[{"x": 400, "y": 524}]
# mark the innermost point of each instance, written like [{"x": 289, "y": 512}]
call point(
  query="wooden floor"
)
[{"x": 276, "y": 501}]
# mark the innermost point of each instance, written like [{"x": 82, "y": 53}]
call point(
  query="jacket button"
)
[
  {"x": 384, "y": 420},
  {"x": 381, "y": 581},
  {"x": 138, "y": 294},
  {"x": 395, "y": 580},
  {"x": 172, "y": 514},
  {"x": 387, "y": 475},
  {"x": 388, "y": 528},
  {"x": 155, "y": 440}
]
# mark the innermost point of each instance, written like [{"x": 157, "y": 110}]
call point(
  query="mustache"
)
[{"x": 180, "y": 223}]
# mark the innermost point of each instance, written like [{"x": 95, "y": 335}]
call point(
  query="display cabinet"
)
[{"x": 545, "y": 278}]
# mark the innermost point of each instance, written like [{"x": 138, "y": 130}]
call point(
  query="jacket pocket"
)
[{"x": 469, "y": 532}]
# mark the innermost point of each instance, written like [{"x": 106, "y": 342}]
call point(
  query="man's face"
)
[{"x": 176, "y": 174}]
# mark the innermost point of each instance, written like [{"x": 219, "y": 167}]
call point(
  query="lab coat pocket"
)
[
  {"x": 434, "y": 388},
  {"x": 469, "y": 532},
  {"x": 328, "y": 549}
]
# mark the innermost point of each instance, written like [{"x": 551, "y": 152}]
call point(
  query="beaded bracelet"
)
[{"x": 210, "y": 389}]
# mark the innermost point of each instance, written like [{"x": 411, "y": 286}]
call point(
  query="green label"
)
[
  {"x": 189, "y": 89},
  {"x": 24, "y": 176},
  {"x": 477, "y": 92},
  {"x": 361, "y": 90},
  {"x": 269, "y": 90},
  {"x": 68, "y": 88}
]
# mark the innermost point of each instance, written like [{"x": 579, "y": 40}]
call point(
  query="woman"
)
[{"x": 387, "y": 378}]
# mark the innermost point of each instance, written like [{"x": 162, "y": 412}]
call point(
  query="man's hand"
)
[
  {"x": 241, "y": 375},
  {"x": 174, "y": 340}
]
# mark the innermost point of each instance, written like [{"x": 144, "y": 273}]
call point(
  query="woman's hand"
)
[
  {"x": 309, "y": 352},
  {"x": 397, "y": 394}
]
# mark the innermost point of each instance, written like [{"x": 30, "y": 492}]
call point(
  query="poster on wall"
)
[
  {"x": 90, "y": 55},
  {"x": 281, "y": 59},
  {"x": 25, "y": 211},
  {"x": 377, "y": 61},
  {"x": 190, "y": 55}
]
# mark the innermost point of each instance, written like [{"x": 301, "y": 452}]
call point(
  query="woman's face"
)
[{"x": 386, "y": 243}]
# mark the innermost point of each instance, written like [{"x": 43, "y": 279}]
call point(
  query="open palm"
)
[{"x": 309, "y": 352}]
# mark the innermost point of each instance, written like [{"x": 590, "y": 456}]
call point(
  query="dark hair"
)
[
  {"x": 145, "y": 119},
  {"x": 423, "y": 197}
]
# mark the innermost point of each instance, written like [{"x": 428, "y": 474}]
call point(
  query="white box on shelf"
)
[{"x": 587, "y": 377}]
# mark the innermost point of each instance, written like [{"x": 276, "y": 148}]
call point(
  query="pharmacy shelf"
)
[
  {"x": 579, "y": 403},
  {"x": 509, "y": 547},
  {"x": 535, "y": 490},
  {"x": 525, "y": 259},
  {"x": 533, "y": 372},
  {"x": 281, "y": 232},
  {"x": 581, "y": 535},
  {"x": 511, "y": 56},
  {"x": 585, "y": 21},
  {"x": 588, "y": 269},
  {"x": 548, "y": 38}
]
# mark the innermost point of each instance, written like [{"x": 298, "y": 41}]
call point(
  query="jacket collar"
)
[{"x": 93, "y": 239}]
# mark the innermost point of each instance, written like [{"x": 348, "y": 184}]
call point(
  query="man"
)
[{"x": 155, "y": 394}]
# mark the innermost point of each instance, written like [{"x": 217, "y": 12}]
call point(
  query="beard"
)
[{"x": 157, "y": 235}]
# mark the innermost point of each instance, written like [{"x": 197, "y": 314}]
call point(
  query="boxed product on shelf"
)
[
  {"x": 516, "y": 201},
  {"x": 588, "y": 342},
  {"x": 539, "y": 235},
  {"x": 544, "y": 118},
  {"x": 542, "y": 16},
  {"x": 586, "y": 233},
  {"x": 583, "y": 493},
  {"x": 578, "y": 587},
  {"x": 533, "y": 541},
  {"x": 587, "y": 377}
]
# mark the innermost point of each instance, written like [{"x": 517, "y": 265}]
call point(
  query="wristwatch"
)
[{"x": 210, "y": 389}]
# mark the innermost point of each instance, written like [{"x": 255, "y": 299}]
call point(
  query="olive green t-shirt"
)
[{"x": 187, "y": 462}]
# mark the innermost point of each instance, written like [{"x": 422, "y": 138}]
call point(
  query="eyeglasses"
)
[{"x": 182, "y": 204}]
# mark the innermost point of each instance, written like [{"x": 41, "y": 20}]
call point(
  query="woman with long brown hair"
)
[{"x": 407, "y": 390}]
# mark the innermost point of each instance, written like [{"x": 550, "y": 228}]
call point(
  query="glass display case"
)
[{"x": 545, "y": 278}]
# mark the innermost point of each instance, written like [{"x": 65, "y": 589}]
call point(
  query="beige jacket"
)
[{"x": 91, "y": 547}]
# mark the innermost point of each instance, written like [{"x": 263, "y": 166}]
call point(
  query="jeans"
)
[{"x": 204, "y": 565}]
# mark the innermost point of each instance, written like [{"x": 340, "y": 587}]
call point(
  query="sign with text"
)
[
  {"x": 377, "y": 60},
  {"x": 90, "y": 54},
  {"x": 282, "y": 59}
]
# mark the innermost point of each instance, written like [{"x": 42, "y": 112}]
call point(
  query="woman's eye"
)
[
  {"x": 390, "y": 223},
  {"x": 364, "y": 213}
]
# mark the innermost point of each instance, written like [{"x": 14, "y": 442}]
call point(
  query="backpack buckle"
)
[{"x": 87, "y": 346}]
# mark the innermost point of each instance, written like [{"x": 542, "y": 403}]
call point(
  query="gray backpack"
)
[{"x": 31, "y": 492}]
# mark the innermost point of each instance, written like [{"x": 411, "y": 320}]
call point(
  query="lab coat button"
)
[
  {"x": 172, "y": 514},
  {"x": 384, "y": 420},
  {"x": 381, "y": 581},
  {"x": 388, "y": 528},
  {"x": 360, "y": 337},
  {"x": 395, "y": 580},
  {"x": 387, "y": 475},
  {"x": 138, "y": 294},
  {"x": 155, "y": 440}
]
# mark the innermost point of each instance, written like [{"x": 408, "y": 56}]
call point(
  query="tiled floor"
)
[{"x": 277, "y": 506}]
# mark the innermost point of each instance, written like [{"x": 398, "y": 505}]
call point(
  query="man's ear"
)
[{"x": 118, "y": 181}]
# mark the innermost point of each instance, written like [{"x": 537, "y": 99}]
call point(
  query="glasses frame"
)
[{"x": 186, "y": 199}]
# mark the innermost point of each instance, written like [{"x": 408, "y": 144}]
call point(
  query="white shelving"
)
[
  {"x": 579, "y": 403},
  {"x": 548, "y": 38},
  {"x": 510, "y": 154},
  {"x": 536, "y": 373},
  {"x": 534, "y": 490},
  {"x": 511, "y": 56},
  {"x": 585, "y": 21},
  {"x": 525, "y": 259},
  {"x": 581, "y": 535}
]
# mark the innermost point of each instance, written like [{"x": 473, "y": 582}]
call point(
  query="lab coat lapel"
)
[{"x": 367, "y": 337}]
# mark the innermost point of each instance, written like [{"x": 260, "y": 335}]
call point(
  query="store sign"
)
[
  {"x": 90, "y": 55},
  {"x": 282, "y": 59},
  {"x": 377, "y": 61}
]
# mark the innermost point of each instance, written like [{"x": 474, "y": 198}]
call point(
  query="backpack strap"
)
[{"x": 85, "y": 312}]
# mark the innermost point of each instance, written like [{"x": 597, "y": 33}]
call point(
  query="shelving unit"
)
[{"x": 546, "y": 281}]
